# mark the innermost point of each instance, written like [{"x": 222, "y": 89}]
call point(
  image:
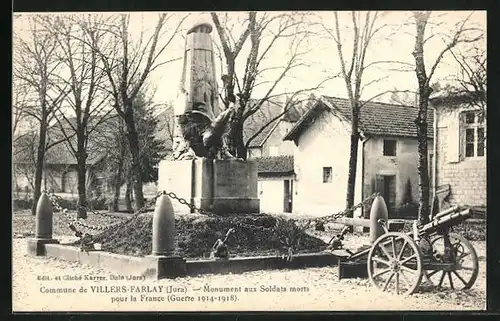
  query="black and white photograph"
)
[{"x": 249, "y": 161}]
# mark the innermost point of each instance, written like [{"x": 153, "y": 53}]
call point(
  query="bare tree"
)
[
  {"x": 264, "y": 31},
  {"x": 471, "y": 79},
  {"x": 462, "y": 34},
  {"x": 364, "y": 27},
  {"x": 128, "y": 63},
  {"x": 35, "y": 65},
  {"x": 86, "y": 103},
  {"x": 20, "y": 103}
]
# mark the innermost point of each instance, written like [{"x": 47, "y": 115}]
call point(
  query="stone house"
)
[
  {"x": 460, "y": 149},
  {"x": 60, "y": 167},
  {"x": 387, "y": 155},
  {"x": 269, "y": 141},
  {"x": 275, "y": 183},
  {"x": 273, "y": 155}
]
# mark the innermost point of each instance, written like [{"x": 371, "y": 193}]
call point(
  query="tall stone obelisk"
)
[
  {"x": 198, "y": 81},
  {"x": 217, "y": 185}
]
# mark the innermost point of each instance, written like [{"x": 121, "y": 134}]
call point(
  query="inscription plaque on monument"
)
[
  {"x": 219, "y": 186},
  {"x": 235, "y": 179}
]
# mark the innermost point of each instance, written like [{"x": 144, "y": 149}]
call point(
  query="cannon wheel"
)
[
  {"x": 395, "y": 263},
  {"x": 464, "y": 273}
]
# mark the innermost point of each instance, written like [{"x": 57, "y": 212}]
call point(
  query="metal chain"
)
[
  {"x": 85, "y": 238},
  {"x": 211, "y": 214},
  {"x": 333, "y": 217},
  {"x": 285, "y": 242},
  {"x": 54, "y": 199},
  {"x": 323, "y": 219}
]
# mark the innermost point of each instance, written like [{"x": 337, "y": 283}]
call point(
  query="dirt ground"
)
[{"x": 34, "y": 278}]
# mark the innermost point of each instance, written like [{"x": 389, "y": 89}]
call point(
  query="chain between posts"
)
[
  {"x": 88, "y": 238},
  {"x": 55, "y": 202},
  {"x": 290, "y": 247},
  {"x": 323, "y": 219}
]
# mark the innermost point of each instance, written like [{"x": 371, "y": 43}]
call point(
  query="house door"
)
[
  {"x": 287, "y": 195},
  {"x": 386, "y": 186}
]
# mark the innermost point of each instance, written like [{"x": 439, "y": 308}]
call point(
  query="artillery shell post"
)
[
  {"x": 166, "y": 263},
  {"x": 163, "y": 227},
  {"x": 43, "y": 226}
]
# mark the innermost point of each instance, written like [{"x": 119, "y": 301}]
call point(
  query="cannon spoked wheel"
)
[
  {"x": 463, "y": 273},
  {"x": 395, "y": 263}
]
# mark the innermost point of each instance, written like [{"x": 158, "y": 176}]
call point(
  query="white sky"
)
[{"x": 321, "y": 54}]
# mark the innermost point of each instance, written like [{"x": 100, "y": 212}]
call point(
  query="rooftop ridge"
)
[{"x": 374, "y": 102}]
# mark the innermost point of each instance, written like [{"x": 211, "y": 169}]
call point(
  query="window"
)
[
  {"x": 389, "y": 147},
  {"x": 474, "y": 135},
  {"x": 327, "y": 174}
]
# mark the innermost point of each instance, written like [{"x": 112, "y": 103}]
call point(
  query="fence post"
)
[
  {"x": 43, "y": 227},
  {"x": 163, "y": 227},
  {"x": 166, "y": 264},
  {"x": 377, "y": 211}
]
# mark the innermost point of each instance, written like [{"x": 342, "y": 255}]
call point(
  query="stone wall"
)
[
  {"x": 466, "y": 175},
  {"x": 403, "y": 165}
]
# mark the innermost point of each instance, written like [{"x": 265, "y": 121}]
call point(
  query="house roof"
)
[
  {"x": 446, "y": 98},
  {"x": 376, "y": 118},
  {"x": 268, "y": 111},
  {"x": 275, "y": 164}
]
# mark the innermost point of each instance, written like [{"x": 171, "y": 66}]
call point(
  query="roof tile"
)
[
  {"x": 275, "y": 164},
  {"x": 376, "y": 118}
]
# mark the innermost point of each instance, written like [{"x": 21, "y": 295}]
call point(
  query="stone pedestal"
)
[
  {"x": 166, "y": 266},
  {"x": 36, "y": 246},
  {"x": 219, "y": 186}
]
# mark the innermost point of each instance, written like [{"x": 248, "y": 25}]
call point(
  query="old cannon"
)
[{"x": 398, "y": 262}]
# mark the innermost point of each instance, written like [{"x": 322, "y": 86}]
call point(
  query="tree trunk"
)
[
  {"x": 117, "y": 185},
  {"x": 236, "y": 144},
  {"x": 116, "y": 196},
  {"x": 128, "y": 196},
  {"x": 424, "y": 92},
  {"x": 81, "y": 157},
  {"x": 133, "y": 140},
  {"x": 82, "y": 192},
  {"x": 119, "y": 170},
  {"x": 40, "y": 157},
  {"x": 353, "y": 160},
  {"x": 423, "y": 173}
]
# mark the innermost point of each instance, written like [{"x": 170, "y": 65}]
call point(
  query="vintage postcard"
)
[{"x": 249, "y": 161}]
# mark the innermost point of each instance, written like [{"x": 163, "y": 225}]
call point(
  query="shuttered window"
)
[{"x": 474, "y": 135}]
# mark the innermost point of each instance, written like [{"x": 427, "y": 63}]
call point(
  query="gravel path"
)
[{"x": 318, "y": 289}]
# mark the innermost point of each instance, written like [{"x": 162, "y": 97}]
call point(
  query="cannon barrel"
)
[
  {"x": 447, "y": 211},
  {"x": 353, "y": 221},
  {"x": 448, "y": 219}
]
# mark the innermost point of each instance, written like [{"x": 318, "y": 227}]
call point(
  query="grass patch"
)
[{"x": 196, "y": 235}]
